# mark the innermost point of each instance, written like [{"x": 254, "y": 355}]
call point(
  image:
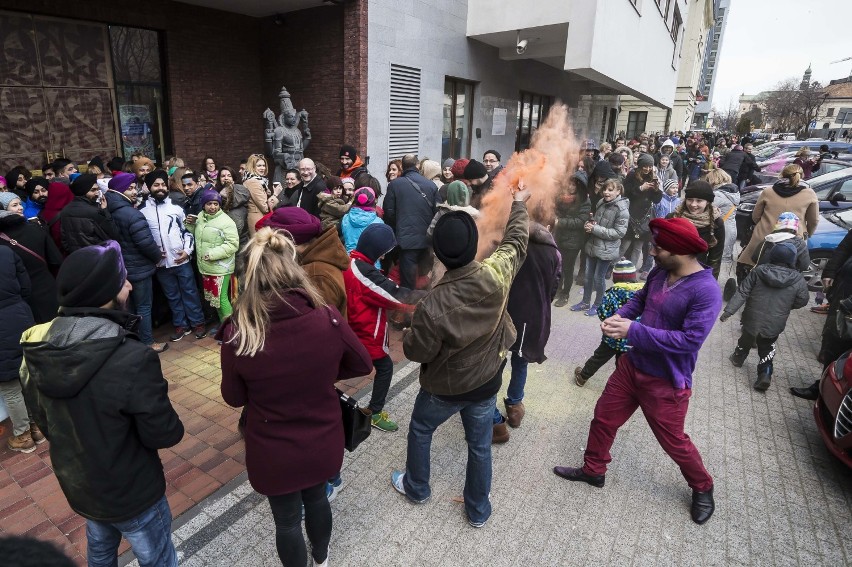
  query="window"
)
[
  {"x": 458, "y": 118},
  {"x": 532, "y": 110},
  {"x": 404, "y": 115},
  {"x": 664, "y": 6},
  {"x": 830, "y": 112},
  {"x": 636, "y": 123},
  {"x": 677, "y": 21}
]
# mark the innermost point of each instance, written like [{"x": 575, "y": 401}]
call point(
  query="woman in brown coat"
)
[
  {"x": 261, "y": 199},
  {"x": 293, "y": 431},
  {"x": 787, "y": 195}
]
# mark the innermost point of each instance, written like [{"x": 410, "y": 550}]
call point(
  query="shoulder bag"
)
[
  {"x": 356, "y": 424},
  {"x": 15, "y": 244}
]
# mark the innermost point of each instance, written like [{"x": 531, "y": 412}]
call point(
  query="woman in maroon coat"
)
[{"x": 294, "y": 430}]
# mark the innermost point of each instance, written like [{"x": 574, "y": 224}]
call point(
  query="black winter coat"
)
[
  {"x": 84, "y": 223},
  {"x": 570, "y": 220},
  {"x": 138, "y": 249},
  {"x": 748, "y": 167},
  {"x": 14, "y": 312},
  {"x": 732, "y": 163},
  {"x": 640, "y": 201},
  {"x": 305, "y": 196},
  {"x": 410, "y": 210},
  {"x": 192, "y": 205},
  {"x": 532, "y": 292},
  {"x": 43, "y": 300},
  {"x": 99, "y": 396}
]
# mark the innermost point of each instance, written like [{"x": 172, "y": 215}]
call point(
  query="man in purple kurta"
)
[{"x": 678, "y": 305}]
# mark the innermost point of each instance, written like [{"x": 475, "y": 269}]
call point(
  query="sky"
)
[{"x": 767, "y": 41}]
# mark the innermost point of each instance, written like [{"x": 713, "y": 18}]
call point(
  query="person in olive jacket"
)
[
  {"x": 99, "y": 396},
  {"x": 461, "y": 333},
  {"x": 573, "y": 209}
]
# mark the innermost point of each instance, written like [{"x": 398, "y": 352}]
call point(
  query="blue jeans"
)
[
  {"x": 179, "y": 285},
  {"x": 515, "y": 391},
  {"x": 141, "y": 298},
  {"x": 149, "y": 535},
  {"x": 429, "y": 412},
  {"x": 596, "y": 270}
]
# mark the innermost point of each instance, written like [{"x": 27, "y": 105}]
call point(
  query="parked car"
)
[
  {"x": 774, "y": 149},
  {"x": 833, "y": 408},
  {"x": 834, "y": 190},
  {"x": 832, "y": 228},
  {"x": 770, "y": 170}
]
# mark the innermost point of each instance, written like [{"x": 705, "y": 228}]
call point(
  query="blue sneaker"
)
[
  {"x": 332, "y": 487},
  {"x": 592, "y": 311},
  {"x": 582, "y": 306},
  {"x": 396, "y": 481}
]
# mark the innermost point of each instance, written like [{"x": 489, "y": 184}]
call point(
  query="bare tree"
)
[
  {"x": 791, "y": 106},
  {"x": 726, "y": 120}
]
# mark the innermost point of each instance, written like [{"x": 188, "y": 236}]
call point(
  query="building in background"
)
[
  {"x": 694, "y": 18},
  {"x": 834, "y": 119},
  {"x": 715, "y": 36}
]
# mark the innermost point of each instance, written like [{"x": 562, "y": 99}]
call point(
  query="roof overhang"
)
[{"x": 261, "y": 8}]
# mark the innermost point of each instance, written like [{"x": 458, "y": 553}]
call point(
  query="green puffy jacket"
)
[{"x": 217, "y": 239}]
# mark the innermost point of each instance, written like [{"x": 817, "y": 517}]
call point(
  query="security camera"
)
[{"x": 522, "y": 46}]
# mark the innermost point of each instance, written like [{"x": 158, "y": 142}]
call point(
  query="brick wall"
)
[{"x": 224, "y": 69}]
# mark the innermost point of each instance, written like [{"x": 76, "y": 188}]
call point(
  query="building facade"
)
[{"x": 706, "y": 85}]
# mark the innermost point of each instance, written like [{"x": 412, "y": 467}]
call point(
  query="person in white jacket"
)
[
  {"x": 174, "y": 271},
  {"x": 727, "y": 197}
]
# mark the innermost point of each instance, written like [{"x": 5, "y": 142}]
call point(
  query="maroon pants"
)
[{"x": 664, "y": 408}]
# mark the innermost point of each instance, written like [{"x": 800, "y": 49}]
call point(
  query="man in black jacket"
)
[
  {"x": 99, "y": 396},
  {"x": 732, "y": 163},
  {"x": 410, "y": 205},
  {"x": 305, "y": 194},
  {"x": 86, "y": 220},
  {"x": 748, "y": 167}
]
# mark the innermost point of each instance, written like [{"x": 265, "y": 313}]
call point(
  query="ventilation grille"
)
[{"x": 404, "y": 127}]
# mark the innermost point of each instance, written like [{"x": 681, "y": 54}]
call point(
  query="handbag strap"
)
[
  {"x": 728, "y": 214},
  {"x": 419, "y": 190},
  {"x": 14, "y": 243}
]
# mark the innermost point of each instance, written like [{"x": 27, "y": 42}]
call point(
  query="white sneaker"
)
[{"x": 323, "y": 564}]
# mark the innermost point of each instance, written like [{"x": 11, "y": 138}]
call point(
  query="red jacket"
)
[
  {"x": 293, "y": 433},
  {"x": 369, "y": 296}
]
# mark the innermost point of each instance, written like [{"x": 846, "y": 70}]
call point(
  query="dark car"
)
[
  {"x": 832, "y": 228},
  {"x": 833, "y": 408},
  {"x": 834, "y": 191},
  {"x": 774, "y": 149},
  {"x": 770, "y": 170}
]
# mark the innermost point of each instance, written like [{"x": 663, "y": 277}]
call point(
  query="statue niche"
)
[{"x": 286, "y": 137}]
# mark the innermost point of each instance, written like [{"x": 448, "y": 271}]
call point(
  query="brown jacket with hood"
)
[{"x": 324, "y": 258}]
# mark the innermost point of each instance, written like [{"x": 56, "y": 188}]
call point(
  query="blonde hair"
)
[
  {"x": 174, "y": 179},
  {"x": 605, "y": 148},
  {"x": 251, "y": 163},
  {"x": 717, "y": 177},
  {"x": 175, "y": 162},
  {"x": 803, "y": 152},
  {"x": 269, "y": 270},
  {"x": 793, "y": 173}
]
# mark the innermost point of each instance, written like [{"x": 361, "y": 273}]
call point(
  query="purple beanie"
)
[
  {"x": 210, "y": 195},
  {"x": 121, "y": 181},
  {"x": 301, "y": 224}
]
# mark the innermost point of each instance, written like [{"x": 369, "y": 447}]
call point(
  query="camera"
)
[{"x": 522, "y": 46}]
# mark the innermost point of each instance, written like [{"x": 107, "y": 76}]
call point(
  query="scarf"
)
[
  {"x": 701, "y": 220},
  {"x": 783, "y": 188},
  {"x": 263, "y": 181}
]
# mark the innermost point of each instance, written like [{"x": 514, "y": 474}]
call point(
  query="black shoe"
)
[
  {"x": 570, "y": 473},
  {"x": 179, "y": 333},
  {"x": 764, "y": 377},
  {"x": 809, "y": 393},
  {"x": 702, "y": 506},
  {"x": 738, "y": 357},
  {"x": 200, "y": 331}
]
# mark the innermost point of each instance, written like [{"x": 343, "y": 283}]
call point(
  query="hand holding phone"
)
[{"x": 277, "y": 188}]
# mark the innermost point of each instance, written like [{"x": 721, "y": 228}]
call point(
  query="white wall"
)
[{"x": 496, "y": 15}]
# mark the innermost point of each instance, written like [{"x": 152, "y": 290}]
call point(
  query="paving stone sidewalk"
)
[{"x": 781, "y": 498}]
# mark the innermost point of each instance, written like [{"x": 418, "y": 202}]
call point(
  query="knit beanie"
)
[
  {"x": 7, "y": 197},
  {"x": 783, "y": 253},
  {"x": 668, "y": 184},
  {"x": 458, "y": 168},
  {"x": 302, "y": 225},
  {"x": 645, "y": 160},
  {"x": 348, "y": 151},
  {"x": 455, "y": 239},
  {"x": 36, "y": 182},
  {"x": 623, "y": 271},
  {"x": 122, "y": 181},
  {"x": 448, "y": 163},
  {"x": 99, "y": 163},
  {"x": 458, "y": 194},
  {"x": 91, "y": 276},
  {"x": 677, "y": 236},
  {"x": 155, "y": 175},
  {"x": 700, "y": 190},
  {"x": 603, "y": 170},
  {"x": 364, "y": 198},
  {"x": 431, "y": 169},
  {"x": 140, "y": 162},
  {"x": 375, "y": 241},
  {"x": 82, "y": 184},
  {"x": 787, "y": 221},
  {"x": 210, "y": 195},
  {"x": 474, "y": 170},
  {"x": 495, "y": 153}
]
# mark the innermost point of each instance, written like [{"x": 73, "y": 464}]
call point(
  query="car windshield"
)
[
  {"x": 845, "y": 218},
  {"x": 765, "y": 150}
]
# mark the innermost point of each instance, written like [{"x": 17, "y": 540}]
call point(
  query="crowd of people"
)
[{"x": 338, "y": 256}]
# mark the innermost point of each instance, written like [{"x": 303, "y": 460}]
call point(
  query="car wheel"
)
[{"x": 813, "y": 274}]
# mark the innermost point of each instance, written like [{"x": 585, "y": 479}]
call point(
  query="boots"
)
[
  {"x": 809, "y": 393},
  {"x": 500, "y": 433},
  {"x": 23, "y": 443},
  {"x": 738, "y": 357},
  {"x": 514, "y": 413},
  {"x": 764, "y": 377},
  {"x": 561, "y": 300}
]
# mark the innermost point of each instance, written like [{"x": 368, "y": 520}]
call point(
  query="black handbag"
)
[{"x": 356, "y": 424}]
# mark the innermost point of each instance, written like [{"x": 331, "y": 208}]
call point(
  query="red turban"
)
[{"x": 677, "y": 236}]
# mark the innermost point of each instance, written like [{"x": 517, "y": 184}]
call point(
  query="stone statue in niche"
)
[{"x": 287, "y": 136}]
